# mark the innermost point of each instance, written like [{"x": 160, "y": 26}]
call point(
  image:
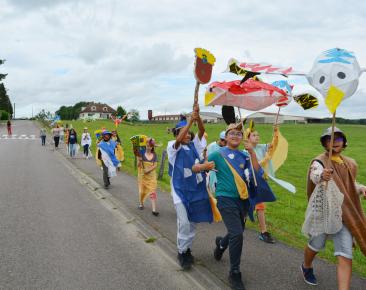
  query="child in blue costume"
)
[
  {"x": 105, "y": 155},
  {"x": 236, "y": 195},
  {"x": 188, "y": 184}
]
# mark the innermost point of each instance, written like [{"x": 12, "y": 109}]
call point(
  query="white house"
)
[
  {"x": 270, "y": 118},
  {"x": 96, "y": 111},
  {"x": 164, "y": 118},
  {"x": 209, "y": 117}
]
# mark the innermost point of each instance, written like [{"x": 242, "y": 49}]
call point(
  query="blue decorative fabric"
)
[
  {"x": 109, "y": 147},
  {"x": 191, "y": 187},
  {"x": 257, "y": 194}
]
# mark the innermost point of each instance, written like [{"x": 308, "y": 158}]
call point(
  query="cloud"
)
[{"x": 141, "y": 56}]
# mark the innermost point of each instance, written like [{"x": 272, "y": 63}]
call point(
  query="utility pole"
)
[
  {"x": 14, "y": 111},
  {"x": 32, "y": 111}
]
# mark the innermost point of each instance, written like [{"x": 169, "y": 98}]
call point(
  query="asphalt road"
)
[
  {"x": 264, "y": 266},
  {"x": 54, "y": 234}
]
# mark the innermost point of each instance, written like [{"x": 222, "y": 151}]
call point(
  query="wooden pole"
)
[
  {"x": 250, "y": 158},
  {"x": 278, "y": 114},
  {"x": 332, "y": 140},
  {"x": 331, "y": 146},
  {"x": 196, "y": 93}
]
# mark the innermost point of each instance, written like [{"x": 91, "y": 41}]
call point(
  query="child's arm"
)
[
  {"x": 318, "y": 173},
  {"x": 206, "y": 166},
  {"x": 183, "y": 132},
  {"x": 271, "y": 148},
  {"x": 201, "y": 127},
  {"x": 148, "y": 170},
  {"x": 139, "y": 162},
  {"x": 249, "y": 147}
]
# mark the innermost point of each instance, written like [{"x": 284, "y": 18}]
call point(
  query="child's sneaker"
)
[
  {"x": 184, "y": 261},
  {"x": 235, "y": 281},
  {"x": 266, "y": 237},
  {"x": 308, "y": 275},
  {"x": 219, "y": 251},
  {"x": 189, "y": 255}
]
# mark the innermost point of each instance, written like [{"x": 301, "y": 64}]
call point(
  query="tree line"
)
[{"x": 6, "y": 108}]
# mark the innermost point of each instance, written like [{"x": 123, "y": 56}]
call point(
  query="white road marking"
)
[{"x": 20, "y": 137}]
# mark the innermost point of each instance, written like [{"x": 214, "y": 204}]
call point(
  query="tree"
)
[
  {"x": 71, "y": 112},
  {"x": 43, "y": 115},
  {"x": 2, "y": 76},
  {"x": 134, "y": 115},
  {"x": 121, "y": 111},
  {"x": 5, "y": 103},
  {"x": 4, "y": 115}
]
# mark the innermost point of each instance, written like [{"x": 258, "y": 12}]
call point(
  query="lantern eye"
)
[
  {"x": 341, "y": 75},
  {"x": 321, "y": 79}
]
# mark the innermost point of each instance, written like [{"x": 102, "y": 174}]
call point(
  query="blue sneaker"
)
[{"x": 308, "y": 275}]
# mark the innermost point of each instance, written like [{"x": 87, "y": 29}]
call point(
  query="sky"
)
[{"x": 140, "y": 54}]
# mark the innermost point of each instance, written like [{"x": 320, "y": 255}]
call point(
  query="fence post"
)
[{"x": 162, "y": 165}]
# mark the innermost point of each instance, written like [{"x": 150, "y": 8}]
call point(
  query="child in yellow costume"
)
[{"x": 147, "y": 178}]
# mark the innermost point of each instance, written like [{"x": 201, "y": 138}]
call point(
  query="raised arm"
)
[
  {"x": 183, "y": 133},
  {"x": 249, "y": 147},
  {"x": 201, "y": 127},
  {"x": 271, "y": 147}
]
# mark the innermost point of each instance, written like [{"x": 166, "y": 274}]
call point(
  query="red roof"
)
[{"x": 98, "y": 108}]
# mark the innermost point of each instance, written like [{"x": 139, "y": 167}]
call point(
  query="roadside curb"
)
[{"x": 199, "y": 274}]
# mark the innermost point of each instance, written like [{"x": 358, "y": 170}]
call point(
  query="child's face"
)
[
  {"x": 187, "y": 138},
  {"x": 254, "y": 138},
  {"x": 106, "y": 137},
  {"x": 234, "y": 138},
  {"x": 221, "y": 142},
  {"x": 338, "y": 143}
]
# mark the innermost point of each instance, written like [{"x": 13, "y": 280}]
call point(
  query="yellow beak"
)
[
  {"x": 334, "y": 98},
  {"x": 208, "y": 98}
]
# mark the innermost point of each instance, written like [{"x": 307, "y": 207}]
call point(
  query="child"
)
[
  {"x": 235, "y": 193},
  {"x": 86, "y": 142},
  {"x": 188, "y": 185},
  {"x": 43, "y": 135},
  {"x": 72, "y": 140},
  {"x": 261, "y": 151},
  {"x": 147, "y": 179},
  {"x": 105, "y": 155},
  {"x": 56, "y": 135},
  {"x": 334, "y": 182},
  {"x": 8, "y": 125}
]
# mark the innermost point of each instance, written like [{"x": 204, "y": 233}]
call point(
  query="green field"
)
[{"x": 284, "y": 217}]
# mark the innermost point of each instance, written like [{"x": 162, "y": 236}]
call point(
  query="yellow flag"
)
[
  {"x": 280, "y": 153},
  {"x": 334, "y": 98}
]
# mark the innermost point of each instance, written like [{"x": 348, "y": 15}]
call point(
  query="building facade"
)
[{"x": 96, "y": 111}]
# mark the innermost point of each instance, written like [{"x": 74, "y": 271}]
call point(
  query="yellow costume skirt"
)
[{"x": 147, "y": 183}]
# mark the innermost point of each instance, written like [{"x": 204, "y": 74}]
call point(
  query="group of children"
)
[{"x": 237, "y": 177}]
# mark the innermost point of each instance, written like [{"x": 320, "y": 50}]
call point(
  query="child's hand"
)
[
  {"x": 203, "y": 167},
  {"x": 363, "y": 192},
  {"x": 248, "y": 146},
  {"x": 209, "y": 165},
  {"x": 327, "y": 174}
]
